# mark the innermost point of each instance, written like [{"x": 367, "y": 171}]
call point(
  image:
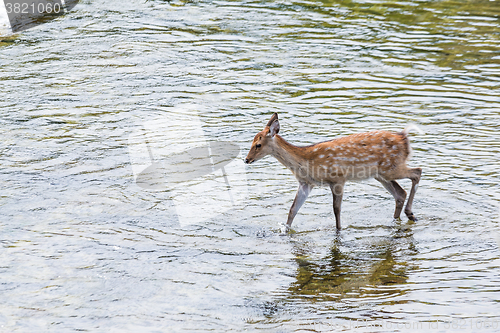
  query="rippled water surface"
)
[{"x": 84, "y": 248}]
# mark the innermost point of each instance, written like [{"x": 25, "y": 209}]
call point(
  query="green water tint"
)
[
  {"x": 86, "y": 248},
  {"x": 452, "y": 34}
]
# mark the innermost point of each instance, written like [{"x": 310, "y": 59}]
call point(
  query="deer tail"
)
[{"x": 412, "y": 127}]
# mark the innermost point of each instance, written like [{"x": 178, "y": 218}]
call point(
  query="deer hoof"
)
[{"x": 412, "y": 217}]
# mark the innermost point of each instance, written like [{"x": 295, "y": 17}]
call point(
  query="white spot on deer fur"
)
[
  {"x": 321, "y": 156},
  {"x": 315, "y": 149}
]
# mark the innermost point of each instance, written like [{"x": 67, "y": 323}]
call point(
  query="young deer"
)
[{"x": 379, "y": 154}]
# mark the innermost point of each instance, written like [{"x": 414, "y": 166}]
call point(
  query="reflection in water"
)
[
  {"x": 338, "y": 282},
  {"x": 340, "y": 274}
]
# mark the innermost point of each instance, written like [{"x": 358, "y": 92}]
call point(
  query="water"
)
[{"x": 84, "y": 248}]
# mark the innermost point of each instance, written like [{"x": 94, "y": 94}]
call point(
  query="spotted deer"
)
[{"x": 380, "y": 154}]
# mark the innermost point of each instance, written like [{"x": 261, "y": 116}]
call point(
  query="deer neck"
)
[{"x": 290, "y": 156}]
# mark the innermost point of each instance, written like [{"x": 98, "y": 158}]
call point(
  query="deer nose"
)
[{"x": 247, "y": 160}]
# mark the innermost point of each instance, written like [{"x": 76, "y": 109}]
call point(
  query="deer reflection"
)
[{"x": 343, "y": 273}]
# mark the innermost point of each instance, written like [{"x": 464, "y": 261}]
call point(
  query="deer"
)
[{"x": 378, "y": 154}]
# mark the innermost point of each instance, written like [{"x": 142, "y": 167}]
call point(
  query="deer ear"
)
[
  {"x": 274, "y": 128},
  {"x": 273, "y": 118}
]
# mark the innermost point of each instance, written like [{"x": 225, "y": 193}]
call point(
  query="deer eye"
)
[{"x": 258, "y": 145}]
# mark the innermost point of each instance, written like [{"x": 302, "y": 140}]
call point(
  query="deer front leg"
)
[
  {"x": 337, "y": 192},
  {"x": 300, "y": 197}
]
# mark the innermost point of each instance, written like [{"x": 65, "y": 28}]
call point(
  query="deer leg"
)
[
  {"x": 397, "y": 192},
  {"x": 300, "y": 197},
  {"x": 337, "y": 192},
  {"x": 415, "y": 179}
]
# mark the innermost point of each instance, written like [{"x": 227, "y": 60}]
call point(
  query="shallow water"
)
[{"x": 87, "y": 249}]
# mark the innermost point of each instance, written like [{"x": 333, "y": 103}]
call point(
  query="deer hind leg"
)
[
  {"x": 397, "y": 192},
  {"x": 414, "y": 175},
  {"x": 300, "y": 197}
]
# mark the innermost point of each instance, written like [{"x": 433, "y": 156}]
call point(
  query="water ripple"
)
[{"x": 85, "y": 248}]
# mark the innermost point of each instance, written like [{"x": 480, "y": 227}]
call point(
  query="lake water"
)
[{"x": 85, "y": 248}]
